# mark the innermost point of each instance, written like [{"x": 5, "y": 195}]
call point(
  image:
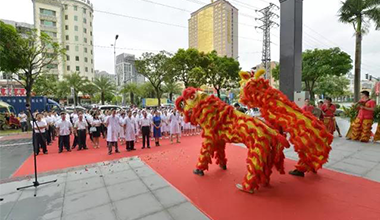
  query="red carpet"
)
[
  {"x": 54, "y": 161},
  {"x": 326, "y": 195}
]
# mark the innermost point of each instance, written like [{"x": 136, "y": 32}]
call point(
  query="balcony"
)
[
  {"x": 48, "y": 17},
  {"x": 48, "y": 28}
]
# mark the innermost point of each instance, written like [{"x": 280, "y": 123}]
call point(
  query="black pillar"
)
[{"x": 290, "y": 47}]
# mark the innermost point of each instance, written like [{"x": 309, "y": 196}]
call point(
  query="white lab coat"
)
[
  {"x": 113, "y": 124},
  {"x": 130, "y": 134},
  {"x": 174, "y": 124}
]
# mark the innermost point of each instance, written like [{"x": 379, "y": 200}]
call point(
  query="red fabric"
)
[
  {"x": 329, "y": 111},
  {"x": 367, "y": 114},
  {"x": 308, "y": 108}
]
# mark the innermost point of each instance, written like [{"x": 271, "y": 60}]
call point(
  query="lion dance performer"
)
[
  {"x": 309, "y": 136},
  {"x": 362, "y": 126},
  {"x": 222, "y": 124}
]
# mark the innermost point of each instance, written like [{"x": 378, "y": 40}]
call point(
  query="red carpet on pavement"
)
[
  {"x": 54, "y": 161},
  {"x": 326, "y": 195}
]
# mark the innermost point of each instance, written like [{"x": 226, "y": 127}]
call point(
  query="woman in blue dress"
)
[{"x": 157, "y": 127}]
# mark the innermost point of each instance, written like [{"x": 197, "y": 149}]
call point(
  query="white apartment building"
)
[
  {"x": 68, "y": 22},
  {"x": 215, "y": 27}
]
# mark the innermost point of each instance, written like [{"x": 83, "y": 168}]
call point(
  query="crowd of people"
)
[{"x": 118, "y": 127}]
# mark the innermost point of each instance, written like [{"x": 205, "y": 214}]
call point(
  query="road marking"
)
[{"x": 15, "y": 144}]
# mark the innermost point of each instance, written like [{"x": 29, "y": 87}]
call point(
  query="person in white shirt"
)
[
  {"x": 52, "y": 125},
  {"x": 64, "y": 129},
  {"x": 165, "y": 126},
  {"x": 121, "y": 129},
  {"x": 23, "y": 120},
  {"x": 39, "y": 128},
  {"x": 81, "y": 131},
  {"x": 47, "y": 119},
  {"x": 146, "y": 123},
  {"x": 74, "y": 119},
  {"x": 175, "y": 125},
  {"x": 136, "y": 121},
  {"x": 112, "y": 123},
  {"x": 95, "y": 130},
  {"x": 129, "y": 128}
]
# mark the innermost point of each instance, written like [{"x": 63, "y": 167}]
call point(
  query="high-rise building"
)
[
  {"x": 105, "y": 74},
  {"x": 215, "y": 27},
  {"x": 68, "y": 22},
  {"x": 126, "y": 70}
]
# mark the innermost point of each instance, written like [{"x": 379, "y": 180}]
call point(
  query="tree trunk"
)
[
  {"x": 28, "y": 90},
  {"x": 102, "y": 97},
  {"x": 75, "y": 98},
  {"x": 171, "y": 97},
  {"x": 131, "y": 96},
  {"x": 158, "y": 94},
  {"x": 358, "y": 61},
  {"x": 218, "y": 92}
]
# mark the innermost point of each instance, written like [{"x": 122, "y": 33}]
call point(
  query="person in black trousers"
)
[
  {"x": 39, "y": 139},
  {"x": 64, "y": 129},
  {"x": 145, "y": 129},
  {"x": 81, "y": 131}
]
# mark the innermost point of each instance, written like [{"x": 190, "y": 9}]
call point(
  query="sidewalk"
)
[{"x": 122, "y": 189}]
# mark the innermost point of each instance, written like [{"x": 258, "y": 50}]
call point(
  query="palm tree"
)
[
  {"x": 76, "y": 82},
  {"x": 104, "y": 85},
  {"x": 172, "y": 88},
  {"x": 130, "y": 88},
  {"x": 359, "y": 13}
]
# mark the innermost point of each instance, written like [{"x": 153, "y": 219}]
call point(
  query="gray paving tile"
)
[
  {"x": 370, "y": 156},
  {"x": 144, "y": 171},
  {"x": 83, "y": 185},
  {"x": 136, "y": 163},
  {"x": 120, "y": 177},
  {"x": 154, "y": 182},
  {"x": 359, "y": 162},
  {"x": 82, "y": 201},
  {"x": 104, "y": 212},
  {"x": 169, "y": 196},
  {"x": 83, "y": 173},
  {"x": 349, "y": 168},
  {"x": 137, "y": 207},
  {"x": 11, "y": 187},
  {"x": 127, "y": 189},
  {"x": 373, "y": 175},
  {"x": 8, "y": 202},
  {"x": 114, "y": 168},
  {"x": 164, "y": 215},
  {"x": 186, "y": 211}
]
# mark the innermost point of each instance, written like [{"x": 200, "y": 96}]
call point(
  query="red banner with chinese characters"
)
[{"x": 16, "y": 92}]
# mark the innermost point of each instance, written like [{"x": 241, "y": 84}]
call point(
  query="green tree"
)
[
  {"x": 172, "y": 88},
  {"x": 276, "y": 72},
  {"x": 130, "y": 88},
  {"x": 333, "y": 86},
  {"x": 103, "y": 86},
  {"x": 46, "y": 85},
  {"x": 63, "y": 90},
  {"x": 77, "y": 83},
  {"x": 146, "y": 90},
  {"x": 28, "y": 56},
  {"x": 156, "y": 68},
  {"x": 359, "y": 13},
  {"x": 182, "y": 64},
  {"x": 320, "y": 63},
  {"x": 221, "y": 72}
]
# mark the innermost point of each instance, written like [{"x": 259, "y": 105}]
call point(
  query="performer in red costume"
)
[{"x": 329, "y": 115}]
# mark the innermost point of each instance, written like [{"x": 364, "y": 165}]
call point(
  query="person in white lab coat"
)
[
  {"x": 112, "y": 123},
  {"x": 129, "y": 128},
  {"x": 175, "y": 125}
]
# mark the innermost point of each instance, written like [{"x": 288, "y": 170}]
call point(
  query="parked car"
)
[
  {"x": 70, "y": 109},
  {"x": 109, "y": 107}
]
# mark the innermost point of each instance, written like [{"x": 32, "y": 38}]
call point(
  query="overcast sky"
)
[{"x": 321, "y": 29}]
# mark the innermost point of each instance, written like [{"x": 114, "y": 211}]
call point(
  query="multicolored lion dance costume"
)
[
  {"x": 310, "y": 138},
  {"x": 222, "y": 124}
]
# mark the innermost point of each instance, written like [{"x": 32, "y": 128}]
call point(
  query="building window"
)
[
  {"x": 91, "y": 42},
  {"x": 84, "y": 11},
  {"x": 84, "y": 20},
  {"x": 68, "y": 68},
  {"x": 67, "y": 57},
  {"x": 67, "y": 37},
  {"x": 92, "y": 70},
  {"x": 84, "y": 30},
  {"x": 85, "y": 59},
  {"x": 90, "y": 33},
  {"x": 66, "y": 17},
  {"x": 67, "y": 47},
  {"x": 90, "y": 14},
  {"x": 76, "y": 58},
  {"x": 85, "y": 49},
  {"x": 91, "y": 52},
  {"x": 76, "y": 38},
  {"x": 52, "y": 66},
  {"x": 85, "y": 40},
  {"x": 92, "y": 61},
  {"x": 90, "y": 24},
  {"x": 47, "y": 12},
  {"x": 86, "y": 69},
  {"x": 66, "y": 7},
  {"x": 49, "y": 23},
  {"x": 75, "y": 18},
  {"x": 77, "y": 48},
  {"x": 76, "y": 28},
  {"x": 51, "y": 34},
  {"x": 75, "y": 8},
  {"x": 77, "y": 68},
  {"x": 66, "y": 27}
]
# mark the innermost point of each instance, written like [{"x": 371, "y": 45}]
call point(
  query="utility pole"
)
[{"x": 267, "y": 19}]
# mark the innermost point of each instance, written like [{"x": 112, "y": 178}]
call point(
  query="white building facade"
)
[
  {"x": 69, "y": 23},
  {"x": 126, "y": 71}
]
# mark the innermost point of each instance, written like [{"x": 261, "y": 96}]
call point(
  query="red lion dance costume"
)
[
  {"x": 309, "y": 136},
  {"x": 222, "y": 124}
]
